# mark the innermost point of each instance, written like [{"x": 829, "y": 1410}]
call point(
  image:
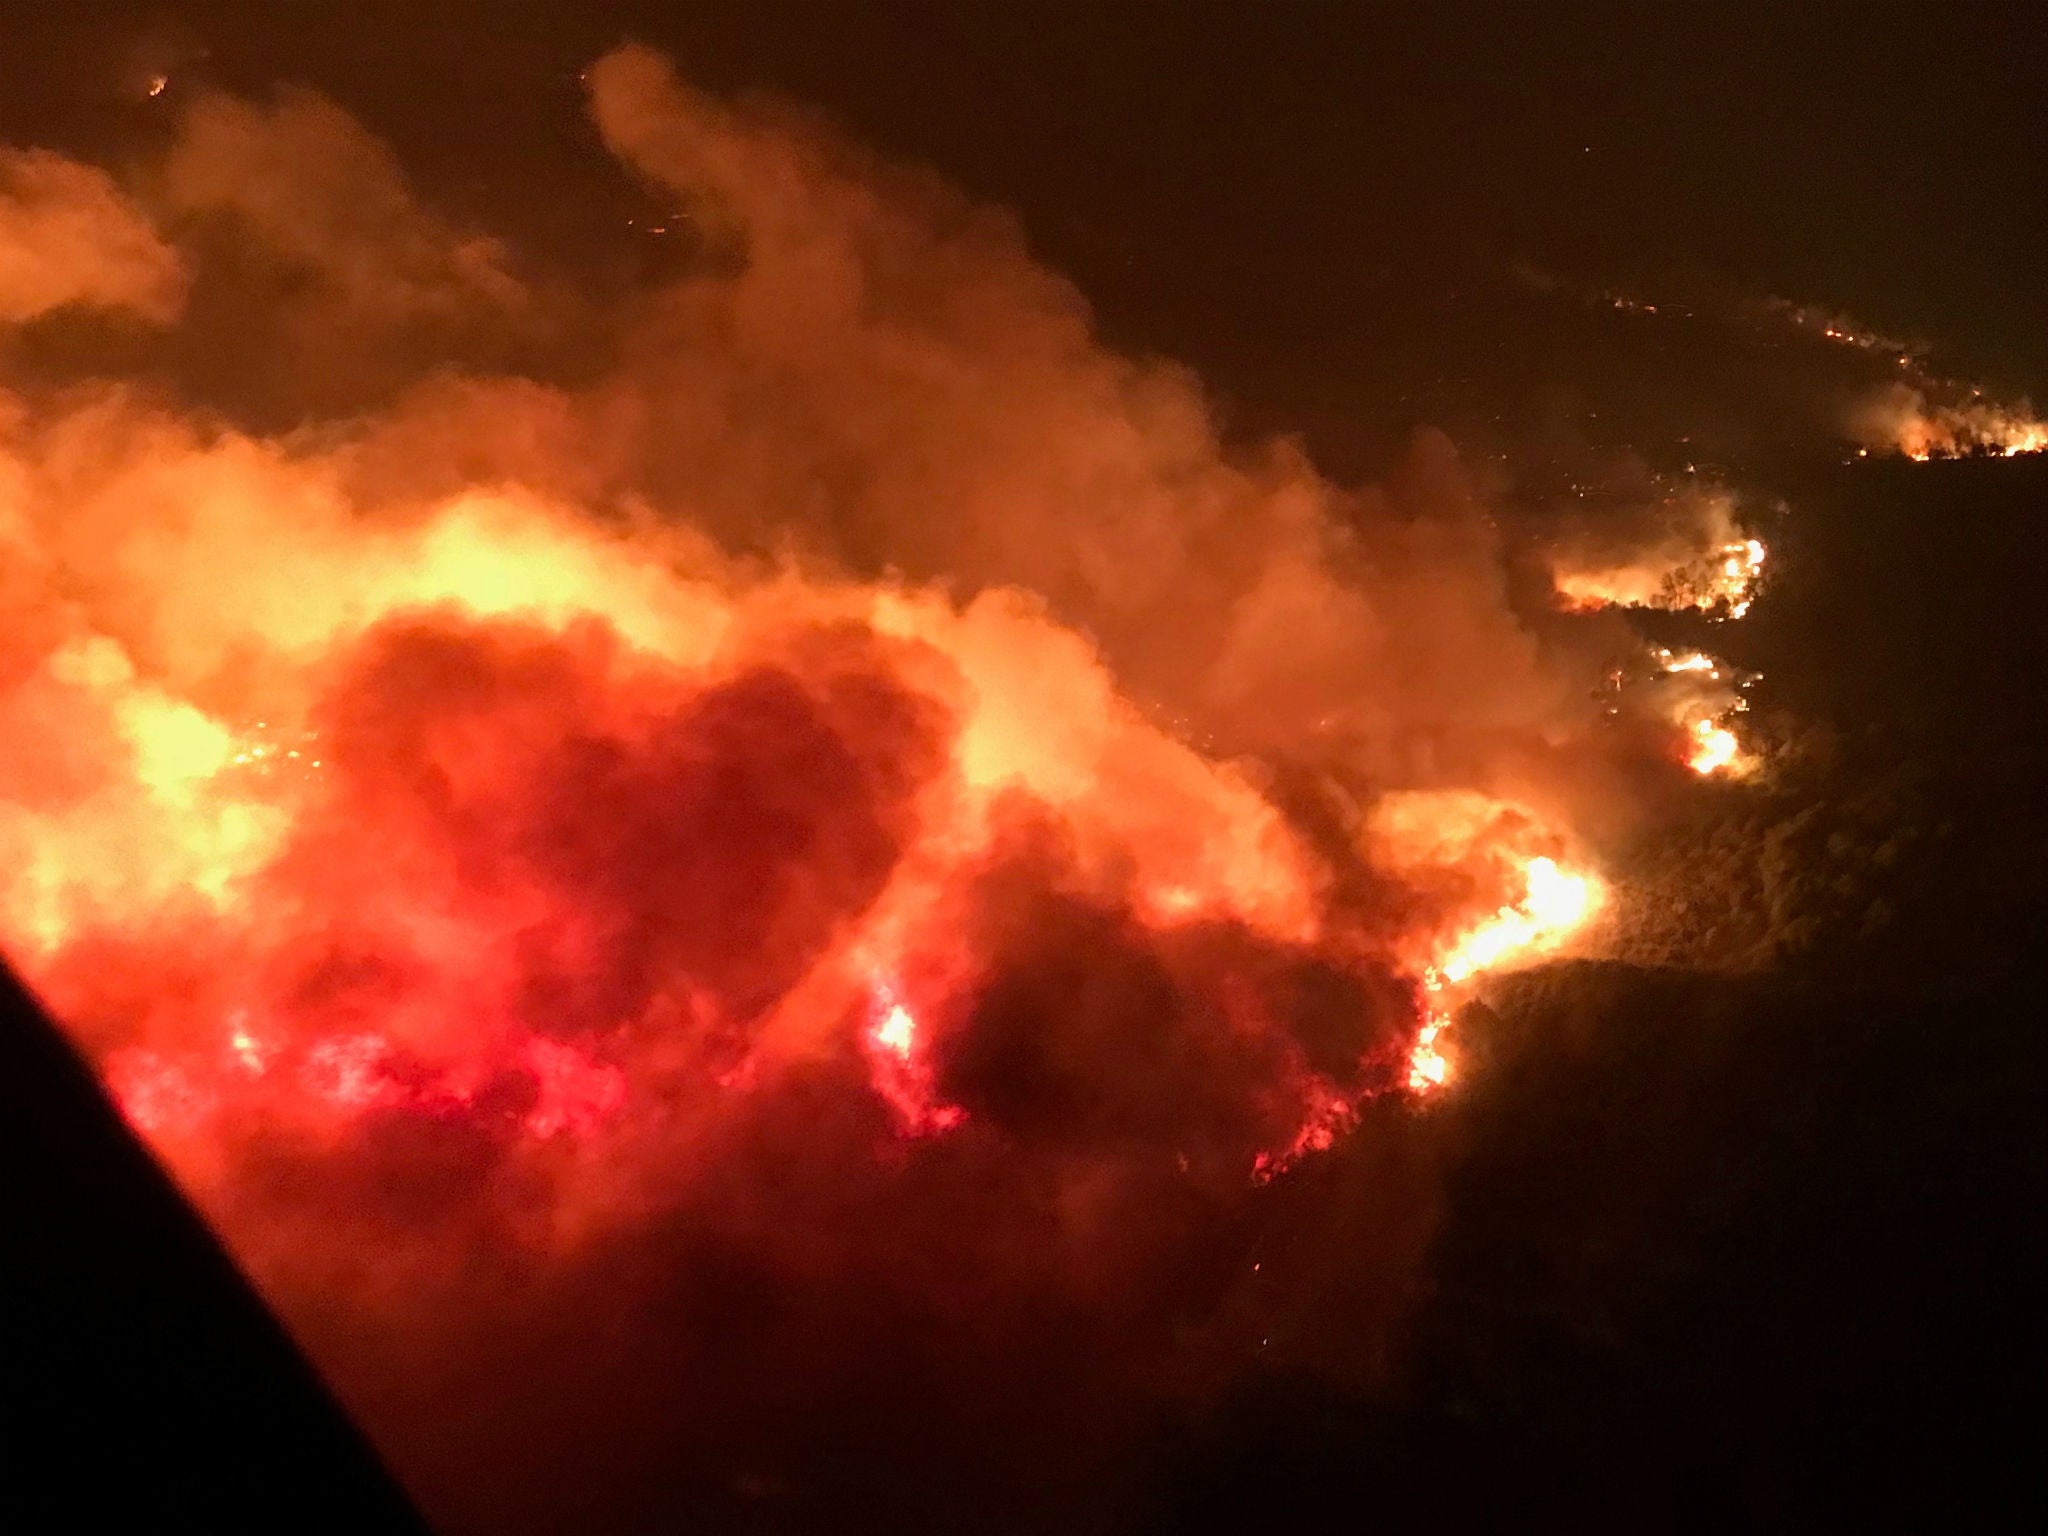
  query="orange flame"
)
[
  {"x": 1938, "y": 421},
  {"x": 1714, "y": 747},
  {"x": 1555, "y": 903},
  {"x": 1550, "y": 905},
  {"x": 1720, "y": 580}
]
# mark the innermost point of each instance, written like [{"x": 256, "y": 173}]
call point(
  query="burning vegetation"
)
[
  {"x": 850, "y": 829},
  {"x": 1904, "y": 419}
]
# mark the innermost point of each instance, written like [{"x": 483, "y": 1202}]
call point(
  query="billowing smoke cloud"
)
[
  {"x": 325, "y": 198},
  {"x": 737, "y": 918},
  {"x": 69, "y": 237},
  {"x": 877, "y": 325}
]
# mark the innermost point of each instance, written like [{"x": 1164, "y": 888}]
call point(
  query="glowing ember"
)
[{"x": 901, "y": 1075}]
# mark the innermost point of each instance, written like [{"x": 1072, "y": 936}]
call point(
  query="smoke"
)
[
  {"x": 731, "y": 892},
  {"x": 1678, "y": 548},
  {"x": 69, "y": 237},
  {"x": 1901, "y": 418}
]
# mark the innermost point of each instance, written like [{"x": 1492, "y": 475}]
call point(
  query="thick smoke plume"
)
[{"x": 731, "y": 891}]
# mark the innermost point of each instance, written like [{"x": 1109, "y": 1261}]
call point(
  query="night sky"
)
[{"x": 1320, "y": 206}]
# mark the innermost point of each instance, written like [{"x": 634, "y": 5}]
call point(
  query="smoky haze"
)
[{"x": 741, "y": 880}]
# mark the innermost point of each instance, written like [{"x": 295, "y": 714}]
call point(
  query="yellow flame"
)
[
  {"x": 897, "y": 1032},
  {"x": 1554, "y": 903},
  {"x": 1428, "y": 1067},
  {"x": 1714, "y": 748},
  {"x": 1717, "y": 577}
]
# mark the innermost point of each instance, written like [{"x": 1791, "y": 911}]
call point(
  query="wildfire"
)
[
  {"x": 360, "y": 954},
  {"x": 1938, "y": 419},
  {"x": 1916, "y": 413},
  {"x": 1714, "y": 747},
  {"x": 1428, "y": 1067},
  {"x": 1506, "y": 903},
  {"x": 1719, "y": 579},
  {"x": 834, "y": 789},
  {"x": 1699, "y": 568},
  {"x": 1553, "y": 905},
  {"x": 1691, "y": 661},
  {"x": 902, "y": 1074},
  {"x": 1956, "y": 433}
]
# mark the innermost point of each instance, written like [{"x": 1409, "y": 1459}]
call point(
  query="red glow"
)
[{"x": 901, "y": 1074}]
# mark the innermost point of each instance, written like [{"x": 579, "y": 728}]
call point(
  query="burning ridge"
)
[{"x": 847, "y": 840}]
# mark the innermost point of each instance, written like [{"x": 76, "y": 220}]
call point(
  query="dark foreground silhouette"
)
[{"x": 145, "y": 1385}]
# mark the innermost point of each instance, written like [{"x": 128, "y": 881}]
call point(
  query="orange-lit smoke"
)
[
  {"x": 1697, "y": 558},
  {"x": 1907, "y": 420},
  {"x": 1702, "y": 561},
  {"x": 797, "y": 812},
  {"x": 69, "y": 238}
]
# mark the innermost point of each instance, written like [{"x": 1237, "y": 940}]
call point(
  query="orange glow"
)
[
  {"x": 1720, "y": 580},
  {"x": 1937, "y": 421},
  {"x": 901, "y": 1075},
  {"x": 261, "y": 824},
  {"x": 1428, "y": 1067},
  {"x": 2005, "y": 434},
  {"x": 649, "y": 849},
  {"x": 1477, "y": 846},
  {"x": 1714, "y": 748},
  {"x": 483, "y": 759},
  {"x": 1554, "y": 904}
]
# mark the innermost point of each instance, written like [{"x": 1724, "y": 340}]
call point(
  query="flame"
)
[
  {"x": 902, "y": 1075},
  {"x": 1939, "y": 419},
  {"x": 864, "y": 786},
  {"x": 1429, "y": 1068},
  {"x": 1955, "y": 433},
  {"x": 1553, "y": 905},
  {"x": 1691, "y": 661},
  {"x": 1440, "y": 840},
  {"x": 272, "y": 837},
  {"x": 1714, "y": 747},
  {"x": 1717, "y": 578},
  {"x": 412, "y": 684}
]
